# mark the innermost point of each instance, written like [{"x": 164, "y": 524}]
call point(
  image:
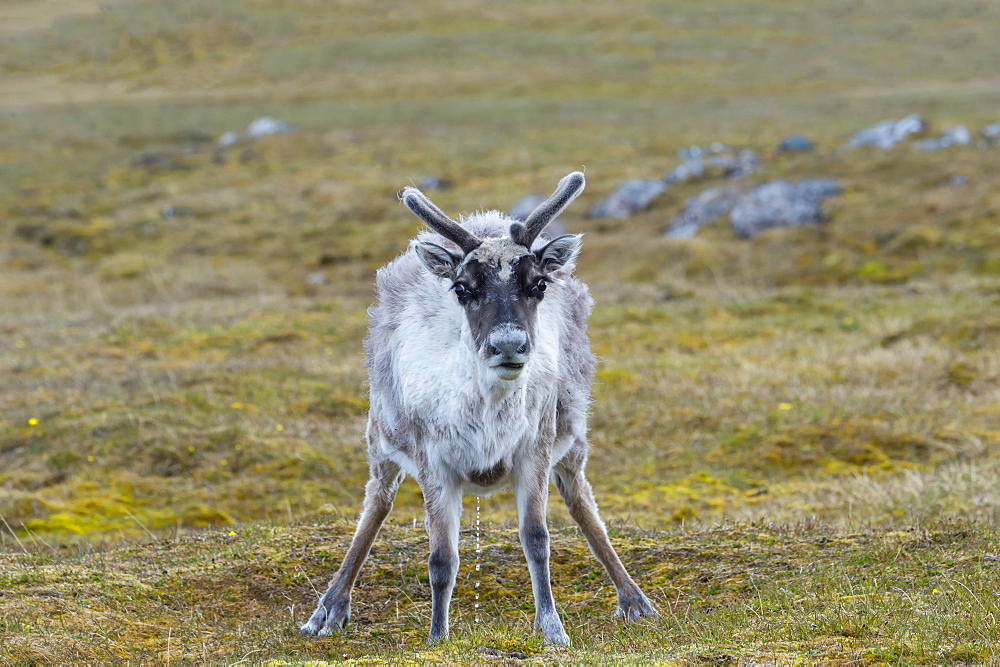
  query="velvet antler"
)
[
  {"x": 435, "y": 218},
  {"x": 568, "y": 189}
]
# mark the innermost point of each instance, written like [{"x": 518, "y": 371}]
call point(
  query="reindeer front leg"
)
[
  {"x": 531, "y": 494},
  {"x": 334, "y": 608},
  {"x": 443, "y": 503}
]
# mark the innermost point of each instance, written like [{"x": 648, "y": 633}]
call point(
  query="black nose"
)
[{"x": 508, "y": 343}]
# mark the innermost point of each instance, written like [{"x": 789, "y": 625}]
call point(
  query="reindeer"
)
[{"x": 480, "y": 371}]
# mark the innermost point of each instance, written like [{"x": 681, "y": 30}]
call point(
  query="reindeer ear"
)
[
  {"x": 560, "y": 253},
  {"x": 438, "y": 260}
]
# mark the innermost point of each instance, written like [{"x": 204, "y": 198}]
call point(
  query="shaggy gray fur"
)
[{"x": 480, "y": 371}]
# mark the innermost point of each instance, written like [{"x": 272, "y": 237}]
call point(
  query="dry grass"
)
[{"x": 794, "y": 438}]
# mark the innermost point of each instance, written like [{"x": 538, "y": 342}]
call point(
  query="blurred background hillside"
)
[{"x": 195, "y": 198}]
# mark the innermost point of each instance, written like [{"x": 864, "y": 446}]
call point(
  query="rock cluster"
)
[
  {"x": 953, "y": 136},
  {"x": 628, "y": 198},
  {"x": 888, "y": 133},
  {"x": 751, "y": 210},
  {"x": 781, "y": 204}
]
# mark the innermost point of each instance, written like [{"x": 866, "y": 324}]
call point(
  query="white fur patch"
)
[{"x": 500, "y": 253}]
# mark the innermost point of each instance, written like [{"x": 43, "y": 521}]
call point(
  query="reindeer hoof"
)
[
  {"x": 330, "y": 617},
  {"x": 553, "y": 630},
  {"x": 561, "y": 639},
  {"x": 634, "y": 606}
]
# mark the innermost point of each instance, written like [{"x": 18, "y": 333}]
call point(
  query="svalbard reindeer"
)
[{"x": 480, "y": 372}]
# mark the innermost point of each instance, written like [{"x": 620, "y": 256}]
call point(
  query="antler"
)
[
  {"x": 435, "y": 218},
  {"x": 569, "y": 188}
]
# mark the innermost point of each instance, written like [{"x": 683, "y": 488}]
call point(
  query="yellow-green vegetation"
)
[{"x": 794, "y": 437}]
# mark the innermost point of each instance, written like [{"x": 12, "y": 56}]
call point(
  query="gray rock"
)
[
  {"x": 781, "y": 204},
  {"x": 686, "y": 171},
  {"x": 630, "y": 197},
  {"x": 229, "y": 139},
  {"x": 317, "y": 279},
  {"x": 523, "y": 208},
  {"x": 888, "y": 133},
  {"x": 953, "y": 136},
  {"x": 991, "y": 133},
  {"x": 736, "y": 165},
  {"x": 796, "y": 143},
  {"x": 818, "y": 188},
  {"x": 697, "y": 152},
  {"x": 266, "y": 126},
  {"x": 702, "y": 209},
  {"x": 714, "y": 160}
]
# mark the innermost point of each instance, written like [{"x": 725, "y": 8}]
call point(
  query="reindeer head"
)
[{"x": 500, "y": 281}]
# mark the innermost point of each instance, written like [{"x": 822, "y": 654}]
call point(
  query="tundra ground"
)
[{"x": 794, "y": 438}]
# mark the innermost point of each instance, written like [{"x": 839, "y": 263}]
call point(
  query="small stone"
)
[
  {"x": 229, "y": 139},
  {"x": 796, "y": 143},
  {"x": 687, "y": 171},
  {"x": 691, "y": 153},
  {"x": 630, "y": 197},
  {"x": 316, "y": 279},
  {"x": 266, "y": 126},
  {"x": 991, "y": 133}
]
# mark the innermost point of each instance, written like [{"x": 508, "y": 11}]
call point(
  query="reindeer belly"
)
[
  {"x": 481, "y": 465},
  {"x": 489, "y": 477}
]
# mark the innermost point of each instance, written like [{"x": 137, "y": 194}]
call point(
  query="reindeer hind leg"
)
[{"x": 579, "y": 497}]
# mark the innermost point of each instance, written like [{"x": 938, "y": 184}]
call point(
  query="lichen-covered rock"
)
[
  {"x": 629, "y": 198},
  {"x": 781, "y": 204},
  {"x": 888, "y": 133},
  {"x": 703, "y": 208}
]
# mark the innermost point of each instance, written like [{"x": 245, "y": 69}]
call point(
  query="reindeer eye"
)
[
  {"x": 541, "y": 285},
  {"x": 461, "y": 291}
]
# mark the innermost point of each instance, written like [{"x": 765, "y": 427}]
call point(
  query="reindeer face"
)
[
  {"x": 499, "y": 285},
  {"x": 500, "y": 281}
]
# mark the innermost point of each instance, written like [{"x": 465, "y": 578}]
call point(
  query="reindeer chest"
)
[
  {"x": 483, "y": 440},
  {"x": 478, "y": 436}
]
